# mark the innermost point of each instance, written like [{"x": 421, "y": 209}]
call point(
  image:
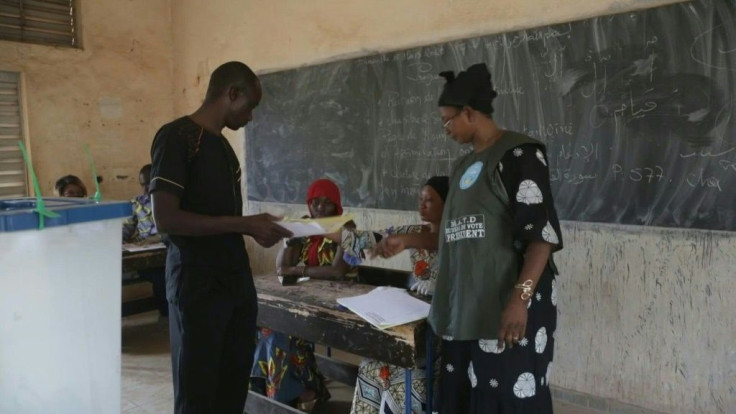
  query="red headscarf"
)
[{"x": 321, "y": 188}]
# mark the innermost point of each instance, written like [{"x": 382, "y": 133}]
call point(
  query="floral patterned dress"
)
[
  {"x": 381, "y": 387},
  {"x": 140, "y": 225},
  {"x": 284, "y": 366}
]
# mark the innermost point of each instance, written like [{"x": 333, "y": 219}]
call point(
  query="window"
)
[
  {"x": 13, "y": 182},
  {"x": 49, "y": 22}
]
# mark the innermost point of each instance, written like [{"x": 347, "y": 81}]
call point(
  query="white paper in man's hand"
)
[{"x": 314, "y": 227}]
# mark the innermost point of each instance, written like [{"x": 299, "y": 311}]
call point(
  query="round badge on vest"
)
[{"x": 471, "y": 175}]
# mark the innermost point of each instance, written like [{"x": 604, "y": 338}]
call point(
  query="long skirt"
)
[{"x": 477, "y": 377}]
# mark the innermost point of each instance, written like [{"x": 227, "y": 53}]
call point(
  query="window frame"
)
[
  {"x": 6, "y": 76},
  {"x": 40, "y": 22}
]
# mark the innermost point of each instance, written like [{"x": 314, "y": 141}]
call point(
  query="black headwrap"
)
[
  {"x": 472, "y": 87},
  {"x": 441, "y": 185}
]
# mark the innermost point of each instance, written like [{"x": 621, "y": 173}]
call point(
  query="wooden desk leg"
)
[
  {"x": 430, "y": 370},
  {"x": 407, "y": 393}
]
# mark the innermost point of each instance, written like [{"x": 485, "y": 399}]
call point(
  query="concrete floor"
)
[{"x": 146, "y": 372}]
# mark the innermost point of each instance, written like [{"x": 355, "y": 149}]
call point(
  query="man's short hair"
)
[{"x": 227, "y": 75}]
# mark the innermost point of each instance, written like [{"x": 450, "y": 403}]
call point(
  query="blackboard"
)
[{"x": 636, "y": 109}]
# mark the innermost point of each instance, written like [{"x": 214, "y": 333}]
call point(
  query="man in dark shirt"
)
[{"x": 197, "y": 205}]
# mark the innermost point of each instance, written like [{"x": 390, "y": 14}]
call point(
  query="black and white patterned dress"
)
[{"x": 478, "y": 377}]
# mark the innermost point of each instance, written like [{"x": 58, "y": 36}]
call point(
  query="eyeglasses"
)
[{"x": 449, "y": 121}]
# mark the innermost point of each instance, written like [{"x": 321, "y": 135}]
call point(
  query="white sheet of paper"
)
[
  {"x": 385, "y": 307},
  {"x": 300, "y": 229},
  {"x": 133, "y": 247},
  {"x": 314, "y": 227}
]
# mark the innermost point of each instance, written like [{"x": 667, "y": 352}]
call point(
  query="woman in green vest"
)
[{"x": 495, "y": 300}]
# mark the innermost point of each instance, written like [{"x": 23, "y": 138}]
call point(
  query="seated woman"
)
[
  {"x": 284, "y": 367},
  {"x": 140, "y": 228},
  {"x": 70, "y": 186},
  {"x": 381, "y": 387}
]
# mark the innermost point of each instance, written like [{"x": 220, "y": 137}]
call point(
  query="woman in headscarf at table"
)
[
  {"x": 284, "y": 367},
  {"x": 495, "y": 299},
  {"x": 381, "y": 388}
]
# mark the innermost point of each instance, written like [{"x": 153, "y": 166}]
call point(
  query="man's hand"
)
[
  {"x": 171, "y": 219},
  {"x": 513, "y": 322},
  {"x": 264, "y": 230}
]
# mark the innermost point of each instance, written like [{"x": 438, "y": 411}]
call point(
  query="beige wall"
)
[
  {"x": 112, "y": 95},
  {"x": 646, "y": 314}
]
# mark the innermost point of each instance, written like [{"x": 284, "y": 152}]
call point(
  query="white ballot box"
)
[{"x": 60, "y": 292}]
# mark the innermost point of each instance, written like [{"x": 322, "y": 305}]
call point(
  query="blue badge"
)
[{"x": 471, "y": 175}]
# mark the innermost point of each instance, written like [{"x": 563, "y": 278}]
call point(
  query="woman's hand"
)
[
  {"x": 513, "y": 322},
  {"x": 388, "y": 247},
  {"x": 424, "y": 287}
]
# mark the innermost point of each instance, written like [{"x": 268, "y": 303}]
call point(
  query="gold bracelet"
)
[{"x": 526, "y": 289}]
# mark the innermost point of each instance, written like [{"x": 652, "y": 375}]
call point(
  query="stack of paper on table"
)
[
  {"x": 385, "y": 307},
  {"x": 314, "y": 227}
]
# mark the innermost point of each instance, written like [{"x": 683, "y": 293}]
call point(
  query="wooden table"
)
[
  {"x": 141, "y": 260},
  {"x": 146, "y": 259},
  {"x": 310, "y": 310}
]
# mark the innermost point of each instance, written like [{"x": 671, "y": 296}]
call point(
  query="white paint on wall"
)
[
  {"x": 110, "y": 107},
  {"x": 647, "y": 316}
]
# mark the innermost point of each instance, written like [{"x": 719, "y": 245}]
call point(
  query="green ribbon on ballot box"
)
[{"x": 40, "y": 206}]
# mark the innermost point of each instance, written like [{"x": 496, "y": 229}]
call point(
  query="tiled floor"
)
[
  {"x": 146, "y": 366},
  {"x": 146, "y": 369}
]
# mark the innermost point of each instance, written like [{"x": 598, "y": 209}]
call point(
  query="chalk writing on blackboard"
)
[{"x": 636, "y": 111}]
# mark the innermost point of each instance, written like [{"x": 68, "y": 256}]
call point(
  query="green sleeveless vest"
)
[{"x": 478, "y": 265}]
